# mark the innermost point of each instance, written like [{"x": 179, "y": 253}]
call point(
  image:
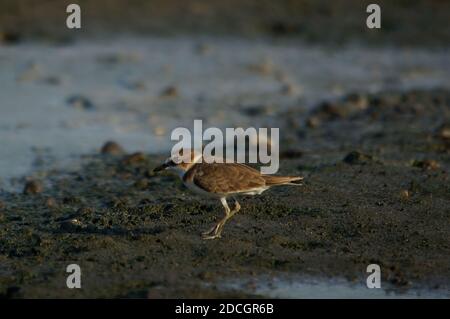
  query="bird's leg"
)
[{"x": 216, "y": 231}]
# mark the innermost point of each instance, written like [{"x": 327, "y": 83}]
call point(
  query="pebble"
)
[
  {"x": 71, "y": 225},
  {"x": 405, "y": 194},
  {"x": 112, "y": 148},
  {"x": 203, "y": 48},
  {"x": 313, "y": 121},
  {"x": 141, "y": 183},
  {"x": 170, "y": 91},
  {"x": 356, "y": 157},
  {"x": 291, "y": 153},
  {"x": 265, "y": 67},
  {"x": 134, "y": 158},
  {"x": 51, "y": 202},
  {"x": 33, "y": 187},
  {"x": 80, "y": 102},
  {"x": 427, "y": 164},
  {"x": 10, "y": 37},
  {"x": 443, "y": 132}
]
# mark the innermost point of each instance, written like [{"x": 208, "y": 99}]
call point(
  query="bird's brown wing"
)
[{"x": 226, "y": 177}]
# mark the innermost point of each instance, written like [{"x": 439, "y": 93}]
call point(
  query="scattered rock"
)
[
  {"x": 203, "y": 48},
  {"x": 313, "y": 121},
  {"x": 141, "y": 183},
  {"x": 85, "y": 211},
  {"x": 80, "y": 102},
  {"x": 2, "y": 205},
  {"x": 52, "y": 80},
  {"x": 357, "y": 101},
  {"x": 427, "y": 164},
  {"x": 405, "y": 194},
  {"x": 283, "y": 28},
  {"x": 51, "y": 202},
  {"x": 133, "y": 158},
  {"x": 330, "y": 110},
  {"x": 10, "y": 37},
  {"x": 291, "y": 153},
  {"x": 265, "y": 67},
  {"x": 257, "y": 110},
  {"x": 118, "y": 58},
  {"x": 170, "y": 91},
  {"x": 33, "y": 187},
  {"x": 71, "y": 225},
  {"x": 137, "y": 85},
  {"x": 356, "y": 157},
  {"x": 443, "y": 132},
  {"x": 289, "y": 89},
  {"x": 112, "y": 148}
]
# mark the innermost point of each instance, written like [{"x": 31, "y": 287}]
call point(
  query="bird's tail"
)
[{"x": 282, "y": 180}]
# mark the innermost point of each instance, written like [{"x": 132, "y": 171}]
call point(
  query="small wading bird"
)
[{"x": 222, "y": 180}]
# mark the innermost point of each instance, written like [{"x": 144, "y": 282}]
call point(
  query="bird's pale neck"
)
[{"x": 182, "y": 168}]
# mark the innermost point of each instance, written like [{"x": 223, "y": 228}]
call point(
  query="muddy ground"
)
[{"x": 376, "y": 190}]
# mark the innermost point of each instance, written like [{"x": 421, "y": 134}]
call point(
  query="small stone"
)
[
  {"x": 356, "y": 157},
  {"x": 33, "y": 187},
  {"x": 51, "y": 202},
  {"x": 331, "y": 110},
  {"x": 80, "y": 102},
  {"x": 10, "y": 37},
  {"x": 170, "y": 91},
  {"x": 427, "y": 164},
  {"x": 52, "y": 80},
  {"x": 257, "y": 110},
  {"x": 313, "y": 121},
  {"x": 203, "y": 49},
  {"x": 289, "y": 89},
  {"x": 265, "y": 67},
  {"x": 85, "y": 211},
  {"x": 112, "y": 148},
  {"x": 291, "y": 153},
  {"x": 358, "y": 101},
  {"x": 405, "y": 194},
  {"x": 71, "y": 225},
  {"x": 134, "y": 158},
  {"x": 443, "y": 132},
  {"x": 141, "y": 183}
]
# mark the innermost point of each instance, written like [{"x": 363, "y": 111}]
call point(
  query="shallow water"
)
[
  {"x": 312, "y": 288},
  {"x": 215, "y": 80}
]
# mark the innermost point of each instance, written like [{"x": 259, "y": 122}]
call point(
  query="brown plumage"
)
[
  {"x": 226, "y": 178},
  {"x": 222, "y": 180}
]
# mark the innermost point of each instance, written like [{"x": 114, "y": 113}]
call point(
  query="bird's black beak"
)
[{"x": 160, "y": 168}]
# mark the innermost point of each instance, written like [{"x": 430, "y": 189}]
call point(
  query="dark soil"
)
[
  {"x": 410, "y": 23},
  {"x": 376, "y": 191}
]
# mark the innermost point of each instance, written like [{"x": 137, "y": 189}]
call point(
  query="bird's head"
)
[{"x": 180, "y": 162}]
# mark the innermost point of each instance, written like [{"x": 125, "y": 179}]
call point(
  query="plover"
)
[{"x": 223, "y": 180}]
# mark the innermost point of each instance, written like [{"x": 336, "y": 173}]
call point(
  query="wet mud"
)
[{"x": 376, "y": 191}]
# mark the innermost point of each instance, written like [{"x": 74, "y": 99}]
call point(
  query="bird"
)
[{"x": 221, "y": 180}]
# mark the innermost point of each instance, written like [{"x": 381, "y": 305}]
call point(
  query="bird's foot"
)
[
  {"x": 214, "y": 236},
  {"x": 214, "y": 232}
]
